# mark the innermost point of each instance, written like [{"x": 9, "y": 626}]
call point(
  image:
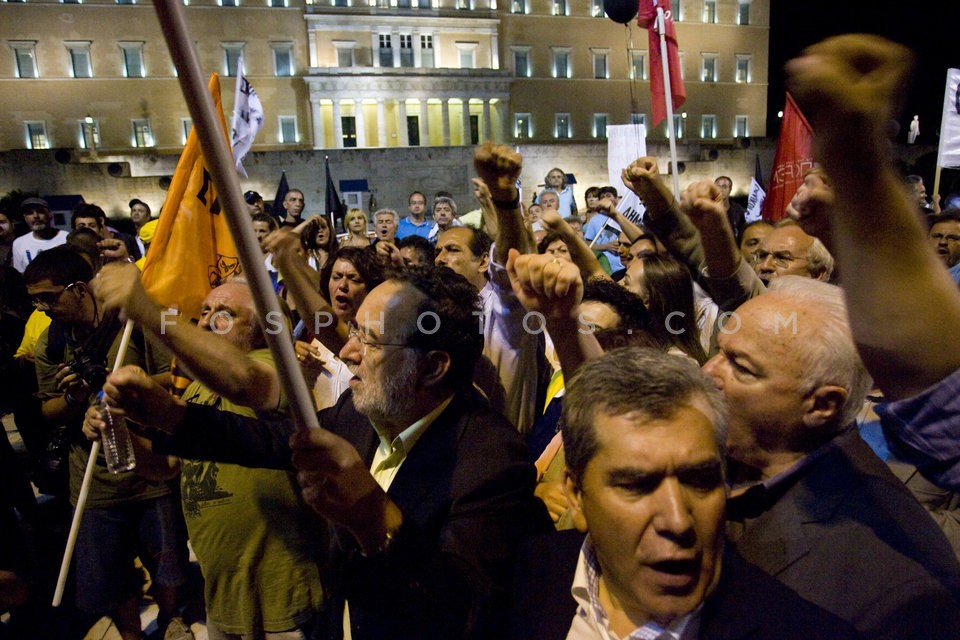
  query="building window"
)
[
  {"x": 465, "y": 4},
  {"x": 518, "y": 6},
  {"x": 142, "y": 132},
  {"x": 278, "y": 3},
  {"x": 282, "y": 59},
  {"x": 132, "y": 59},
  {"x": 403, "y": 4},
  {"x": 638, "y": 65},
  {"x": 348, "y": 125},
  {"x": 596, "y": 9},
  {"x": 424, "y": 4},
  {"x": 708, "y": 126},
  {"x": 710, "y": 11},
  {"x": 386, "y": 50},
  {"x": 743, "y": 68},
  {"x": 678, "y": 12},
  {"x": 708, "y": 69},
  {"x": 521, "y": 125},
  {"x": 559, "y": 7},
  {"x": 468, "y": 54},
  {"x": 232, "y": 52},
  {"x": 599, "y": 125},
  {"x": 413, "y": 131},
  {"x": 69, "y": 1},
  {"x": 683, "y": 64},
  {"x": 406, "y": 50},
  {"x": 340, "y": 3},
  {"x": 37, "y": 135},
  {"x": 345, "y": 52},
  {"x": 741, "y": 127},
  {"x": 80, "y": 66},
  {"x": 561, "y": 125},
  {"x": 678, "y": 125},
  {"x": 638, "y": 118},
  {"x": 88, "y": 130},
  {"x": 186, "y": 124},
  {"x": 521, "y": 62},
  {"x": 561, "y": 63},
  {"x": 126, "y": 1},
  {"x": 600, "y": 69},
  {"x": 26, "y": 59},
  {"x": 426, "y": 52},
  {"x": 288, "y": 129},
  {"x": 743, "y": 12},
  {"x": 229, "y": 3}
]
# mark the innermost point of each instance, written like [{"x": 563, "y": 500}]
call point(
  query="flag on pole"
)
[
  {"x": 282, "y": 188},
  {"x": 192, "y": 250},
  {"x": 647, "y": 19},
  {"x": 949, "y": 153},
  {"x": 757, "y": 195},
  {"x": 335, "y": 208},
  {"x": 794, "y": 157},
  {"x": 247, "y": 118}
]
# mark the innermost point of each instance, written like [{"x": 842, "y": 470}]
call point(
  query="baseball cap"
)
[
  {"x": 252, "y": 196},
  {"x": 33, "y": 203}
]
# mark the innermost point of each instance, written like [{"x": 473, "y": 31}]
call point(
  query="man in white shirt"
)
[{"x": 42, "y": 235}]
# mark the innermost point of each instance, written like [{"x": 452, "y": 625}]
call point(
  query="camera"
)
[{"x": 91, "y": 370}]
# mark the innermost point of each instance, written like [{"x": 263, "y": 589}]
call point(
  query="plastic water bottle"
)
[{"x": 116, "y": 442}]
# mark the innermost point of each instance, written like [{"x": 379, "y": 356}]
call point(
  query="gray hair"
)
[
  {"x": 627, "y": 380},
  {"x": 396, "y": 217},
  {"x": 827, "y": 354},
  {"x": 819, "y": 260}
]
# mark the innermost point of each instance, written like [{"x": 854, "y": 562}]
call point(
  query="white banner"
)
[
  {"x": 754, "y": 201},
  {"x": 949, "y": 155},
  {"x": 625, "y": 143},
  {"x": 247, "y": 118}
]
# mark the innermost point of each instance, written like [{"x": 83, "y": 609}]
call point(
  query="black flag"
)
[{"x": 335, "y": 208}]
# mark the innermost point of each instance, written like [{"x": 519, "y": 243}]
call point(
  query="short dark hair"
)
[
  {"x": 87, "y": 210},
  {"x": 547, "y": 240},
  {"x": 61, "y": 265},
  {"x": 591, "y": 191},
  {"x": 139, "y": 201},
  {"x": 263, "y": 217},
  {"x": 608, "y": 189},
  {"x": 420, "y": 245},
  {"x": 417, "y": 193},
  {"x": 636, "y": 326},
  {"x": 480, "y": 241},
  {"x": 363, "y": 259},
  {"x": 626, "y": 380},
  {"x": 947, "y": 215},
  {"x": 456, "y": 305}
]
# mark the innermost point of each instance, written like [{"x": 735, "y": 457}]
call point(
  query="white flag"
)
[
  {"x": 247, "y": 118},
  {"x": 625, "y": 143},
  {"x": 949, "y": 155},
  {"x": 754, "y": 201}
]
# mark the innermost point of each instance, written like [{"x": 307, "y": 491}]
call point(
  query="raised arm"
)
[
  {"x": 904, "y": 308},
  {"x": 579, "y": 250},
  {"x": 215, "y": 361},
  {"x": 498, "y": 166},
  {"x": 702, "y": 202}
]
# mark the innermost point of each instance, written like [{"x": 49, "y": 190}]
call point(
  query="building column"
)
[
  {"x": 403, "y": 138},
  {"x": 395, "y": 47},
  {"x": 381, "y": 124},
  {"x": 487, "y": 133},
  {"x": 318, "y": 137},
  {"x": 445, "y": 117},
  {"x": 375, "y": 48},
  {"x": 495, "y": 51},
  {"x": 361, "y": 123},
  {"x": 503, "y": 110},
  {"x": 337, "y": 125},
  {"x": 424, "y": 128},
  {"x": 312, "y": 44},
  {"x": 465, "y": 110},
  {"x": 417, "y": 51}
]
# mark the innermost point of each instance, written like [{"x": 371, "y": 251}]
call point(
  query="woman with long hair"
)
[
  {"x": 356, "y": 224},
  {"x": 319, "y": 241}
]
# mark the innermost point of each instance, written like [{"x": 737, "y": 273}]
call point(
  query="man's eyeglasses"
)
[
  {"x": 365, "y": 342},
  {"x": 47, "y": 299},
  {"x": 780, "y": 258}
]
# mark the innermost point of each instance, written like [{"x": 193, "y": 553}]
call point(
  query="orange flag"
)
[
  {"x": 794, "y": 157},
  {"x": 192, "y": 250}
]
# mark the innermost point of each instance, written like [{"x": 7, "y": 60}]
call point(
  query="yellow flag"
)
[{"x": 192, "y": 250}]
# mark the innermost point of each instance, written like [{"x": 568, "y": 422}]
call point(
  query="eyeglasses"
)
[
  {"x": 780, "y": 258},
  {"x": 47, "y": 299},
  {"x": 365, "y": 342}
]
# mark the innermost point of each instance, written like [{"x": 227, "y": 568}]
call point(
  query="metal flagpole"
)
[
  {"x": 671, "y": 132},
  {"x": 216, "y": 154}
]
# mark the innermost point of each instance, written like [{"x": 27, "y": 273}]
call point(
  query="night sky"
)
[{"x": 929, "y": 27}]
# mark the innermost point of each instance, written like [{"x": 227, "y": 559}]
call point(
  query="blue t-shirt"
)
[
  {"x": 609, "y": 234},
  {"x": 410, "y": 228}
]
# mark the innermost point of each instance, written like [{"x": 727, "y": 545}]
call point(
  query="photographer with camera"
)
[{"x": 126, "y": 512}]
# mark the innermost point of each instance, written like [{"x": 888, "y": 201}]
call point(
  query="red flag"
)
[
  {"x": 192, "y": 251},
  {"x": 793, "y": 159},
  {"x": 647, "y": 18}
]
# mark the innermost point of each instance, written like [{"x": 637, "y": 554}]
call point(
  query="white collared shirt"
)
[
  {"x": 591, "y": 621},
  {"x": 390, "y": 454}
]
